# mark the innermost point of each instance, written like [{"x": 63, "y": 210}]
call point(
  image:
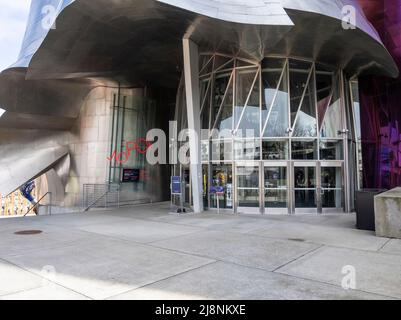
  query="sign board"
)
[
  {"x": 130, "y": 175},
  {"x": 217, "y": 189},
  {"x": 176, "y": 185}
]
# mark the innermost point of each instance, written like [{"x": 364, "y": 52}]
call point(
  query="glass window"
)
[
  {"x": 306, "y": 122},
  {"x": 324, "y": 84},
  {"x": 205, "y": 99},
  {"x": 205, "y": 151},
  {"x": 304, "y": 150},
  {"x": 247, "y": 119},
  {"x": 275, "y": 109},
  {"x": 358, "y": 133},
  {"x": 276, "y": 177},
  {"x": 205, "y": 64},
  {"x": 223, "y": 63},
  {"x": 357, "y": 109},
  {"x": 248, "y": 149},
  {"x": 331, "y": 150},
  {"x": 299, "y": 72},
  {"x": 332, "y": 117},
  {"x": 275, "y": 150},
  {"x": 222, "y": 150},
  {"x": 223, "y": 102}
]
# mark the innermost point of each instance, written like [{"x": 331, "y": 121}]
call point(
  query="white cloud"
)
[{"x": 13, "y": 19}]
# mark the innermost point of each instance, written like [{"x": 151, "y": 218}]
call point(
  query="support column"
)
[{"x": 191, "y": 72}]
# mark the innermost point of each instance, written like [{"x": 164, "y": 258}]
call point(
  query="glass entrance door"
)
[
  {"x": 247, "y": 182},
  {"x": 306, "y": 187},
  {"x": 275, "y": 185},
  {"x": 318, "y": 187},
  {"x": 222, "y": 176},
  {"x": 332, "y": 190}
]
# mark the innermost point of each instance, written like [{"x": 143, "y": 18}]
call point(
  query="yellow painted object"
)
[{"x": 15, "y": 204}]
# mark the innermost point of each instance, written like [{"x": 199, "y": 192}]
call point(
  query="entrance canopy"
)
[{"x": 140, "y": 41}]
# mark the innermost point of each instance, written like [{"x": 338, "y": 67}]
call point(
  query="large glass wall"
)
[
  {"x": 134, "y": 113},
  {"x": 277, "y": 131}
]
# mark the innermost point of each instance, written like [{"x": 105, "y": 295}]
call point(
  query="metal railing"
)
[
  {"x": 101, "y": 196},
  {"x": 38, "y": 203}
]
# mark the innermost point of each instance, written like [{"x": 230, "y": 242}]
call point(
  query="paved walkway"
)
[{"x": 145, "y": 253}]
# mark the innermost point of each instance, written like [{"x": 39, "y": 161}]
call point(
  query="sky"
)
[{"x": 13, "y": 19}]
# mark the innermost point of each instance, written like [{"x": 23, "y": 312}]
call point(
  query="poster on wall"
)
[
  {"x": 130, "y": 175},
  {"x": 176, "y": 185}
]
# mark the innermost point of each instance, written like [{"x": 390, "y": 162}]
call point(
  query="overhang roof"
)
[{"x": 140, "y": 41}]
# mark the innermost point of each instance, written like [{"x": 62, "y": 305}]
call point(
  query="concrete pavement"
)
[{"x": 144, "y": 253}]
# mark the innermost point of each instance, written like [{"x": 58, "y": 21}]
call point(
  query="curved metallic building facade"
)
[
  {"x": 380, "y": 103},
  {"x": 83, "y": 63}
]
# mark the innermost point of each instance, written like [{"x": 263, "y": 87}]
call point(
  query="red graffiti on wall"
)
[{"x": 140, "y": 146}]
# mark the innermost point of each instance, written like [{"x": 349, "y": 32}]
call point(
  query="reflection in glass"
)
[
  {"x": 248, "y": 177},
  {"x": 205, "y": 64},
  {"x": 305, "y": 199},
  {"x": 357, "y": 110},
  {"x": 306, "y": 123},
  {"x": 324, "y": 83},
  {"x": 248, "y": 149},
  {"x": 276, "y": 105},
  {"x": 331, "y": 150},
  {"x": 275, "y": 150},
  {"x": 249, "y": 124},
  {"x": 224, "y": 119},
  {"x": 299, "y": 72},
  {"x": 248, "y": 186},
  {"x": 304, "y": 150},
  {"x": 331, "y": 178},
  {"x": 222, "y": 176},
  {"x": 358, "y": 132},
  {"x": 305, "y": 177},
  {"x": 277, "y": 126},
  {"x": 222, "y": 150},
  {"x": 332, "y": 191},
  {"x": 205, "y": 98},
  {"x": 305, "y": 187},
  {"x": 276, "y": 177},
  {"x": 275, "y": 198},
  {"x": 332, "y": 199},
  {"x": 205, "y": 151},
  {"x": 248, "y": 198},
  {"x": 223, "y": 63},
  {"x": 332, "y": 119}
]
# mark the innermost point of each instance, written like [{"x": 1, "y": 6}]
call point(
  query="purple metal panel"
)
[{"x": 381, "y": 103}]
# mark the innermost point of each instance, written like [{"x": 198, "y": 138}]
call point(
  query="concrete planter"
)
[{"x": 388, "y": 214}]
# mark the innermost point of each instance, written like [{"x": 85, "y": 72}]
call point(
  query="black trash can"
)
[{"x": 365, "y": 208}]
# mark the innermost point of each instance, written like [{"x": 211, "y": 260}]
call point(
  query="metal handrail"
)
[
  {"x": 96, "y": 201},
  {"x": 37, "y": 204},
  {"x": 105, "y": 194}
]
